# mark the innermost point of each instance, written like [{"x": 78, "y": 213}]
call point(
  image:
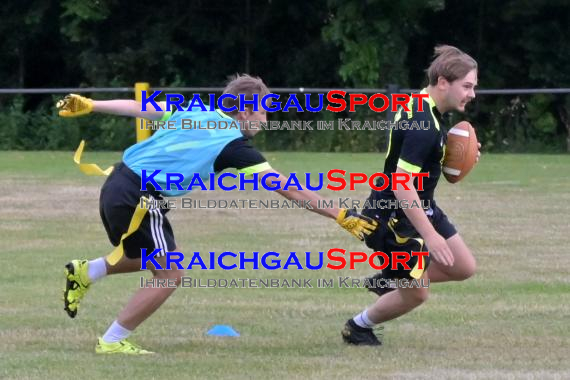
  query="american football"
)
[{"x": 460, "y": 152}]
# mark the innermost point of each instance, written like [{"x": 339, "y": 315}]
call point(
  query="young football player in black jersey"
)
[{"x": 452, "y": 80}]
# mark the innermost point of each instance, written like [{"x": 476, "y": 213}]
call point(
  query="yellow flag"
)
[{"x": 89, "y": 169}]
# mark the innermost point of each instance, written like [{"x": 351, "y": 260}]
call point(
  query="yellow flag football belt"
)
[
  {"x": 416, "y": 273},
  {"x": 94, "y": 169},
  {"x": 114, "y": 257}
]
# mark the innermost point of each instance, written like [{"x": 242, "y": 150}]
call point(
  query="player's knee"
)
[
  {"x": 415, "y": 296},
  {"x": 421, "y": 296},
  {"x": 467, "y": 270},
  {"x": 470, "y": 270},
  {"x": 465, "y": 265},
  {"x": 174, "y": 276}
]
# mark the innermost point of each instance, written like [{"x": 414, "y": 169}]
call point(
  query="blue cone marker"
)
[{"x": 222, "y": 330}]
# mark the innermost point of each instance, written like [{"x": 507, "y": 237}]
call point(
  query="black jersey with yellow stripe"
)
[{"x": 417, "y": 145}]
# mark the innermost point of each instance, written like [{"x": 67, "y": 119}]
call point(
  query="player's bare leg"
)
[
  {"x": 147, "y": 300},
  {"x": 464, "y": 265},
  {"x": 141, "y": 306},
  {"x": 125, "y": 265},
  {"x": 359, "y": 330},
  {"x": 397, "y": 303}
]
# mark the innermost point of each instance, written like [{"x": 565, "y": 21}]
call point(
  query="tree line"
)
[{"x": 289, "y": 43}]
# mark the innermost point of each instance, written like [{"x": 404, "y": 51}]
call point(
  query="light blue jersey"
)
[{"x": 190, "y": 148}]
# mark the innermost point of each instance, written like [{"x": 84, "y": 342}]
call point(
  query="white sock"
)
[
  {"x": 362, "y": 320},
  {"x": 96, "y": 269},
  {"x": 116, "y": 333}
]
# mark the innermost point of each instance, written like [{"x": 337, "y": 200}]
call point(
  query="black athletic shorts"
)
[
  {"x": 120, "y": 196},
  {"x": 396, "y": 233}
]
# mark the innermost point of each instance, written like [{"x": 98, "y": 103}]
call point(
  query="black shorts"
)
[
  {"x": 396, "y": 233},
  {"x": 120, "y": 196}
]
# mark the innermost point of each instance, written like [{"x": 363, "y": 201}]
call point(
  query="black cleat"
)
[
  {"x": 359, "y": 336},
  {"x": 377, "y": 284}
]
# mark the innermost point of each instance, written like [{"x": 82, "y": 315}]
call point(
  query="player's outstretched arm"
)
[
  {"x": 358, "y": 225},
  {"x": 74, "y": 105},
  {"x": 436, "y": 244}
]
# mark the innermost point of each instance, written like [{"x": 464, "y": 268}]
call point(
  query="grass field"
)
[{"x": 512, "y": 320}]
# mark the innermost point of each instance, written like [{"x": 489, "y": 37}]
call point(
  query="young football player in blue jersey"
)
[
  {"x": 452, "y": 79},
  {"x": 185, "y": 151}
]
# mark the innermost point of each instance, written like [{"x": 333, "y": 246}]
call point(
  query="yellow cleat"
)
[
  {"x": 77, "y": 284},
  {"x": 122, "y": 347}
]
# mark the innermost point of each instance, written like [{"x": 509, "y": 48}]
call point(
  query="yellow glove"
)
[
  {"x": 355, "y": 223},
  {"x": 74, "y": 105}
]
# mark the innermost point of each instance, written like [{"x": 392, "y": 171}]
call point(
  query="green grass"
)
[{"x": 510, "y": 321}]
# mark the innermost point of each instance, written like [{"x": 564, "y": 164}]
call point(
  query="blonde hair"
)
[
  {"x": 451, "y": 63},
  {"x": 244, "y": 84}
]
